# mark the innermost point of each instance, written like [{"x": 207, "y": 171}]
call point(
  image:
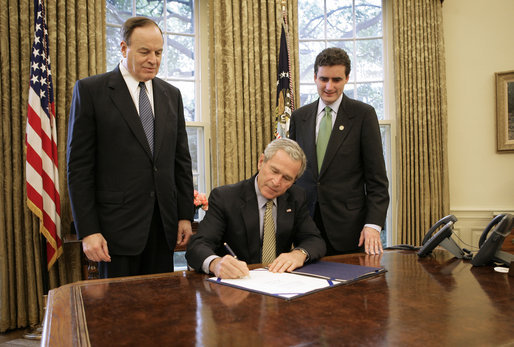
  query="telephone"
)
[
  {"x": 443, "y": 238},
  {"x": 489, "y": 251}
]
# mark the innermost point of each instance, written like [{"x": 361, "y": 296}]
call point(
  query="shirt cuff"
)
[
  {"x": 207, "y": 263},
  {"x": 374, "y": 226}
]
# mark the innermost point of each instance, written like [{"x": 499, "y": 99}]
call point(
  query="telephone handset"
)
[
  {"x": 442, "y": 237},
  {"x": 489, "y": 251}
]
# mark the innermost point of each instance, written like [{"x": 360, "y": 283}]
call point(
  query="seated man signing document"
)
[{"x": 263, "y": 219}]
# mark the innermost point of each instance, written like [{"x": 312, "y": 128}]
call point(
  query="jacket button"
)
[
  {"x": 152, "y": 194},
  {"x": 155, "y": 168}
]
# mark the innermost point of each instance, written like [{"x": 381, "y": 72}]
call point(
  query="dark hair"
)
[
  {"x": 333, "y": 56},
  {"x": 132, "y": 23}
]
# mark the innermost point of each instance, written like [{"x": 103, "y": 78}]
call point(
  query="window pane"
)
[
  {"x": 368, "y": 65},
  {"x": 192, "y": 137},
  {"x": 118, "y": 11},
  {"x": 187, "y": 89},
  {"x": 339, "y": 19},
  {"x": 150, "y": 8},
  {"x": 368, "y": 17},
  {"x": 308, "y": 53},
  {"x": 373, "y": 94},
  {"x": 180, "y": 56},
  {"x": 311, "y": 19},
  {"x": 308, "y": 94},
  {"x": 180, "y": 17},
  {"x": 349, "y": 90},
  {"x": 113, "y": 47}
]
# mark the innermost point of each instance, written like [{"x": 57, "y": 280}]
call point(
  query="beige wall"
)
[{"x": 479, "y": 36}]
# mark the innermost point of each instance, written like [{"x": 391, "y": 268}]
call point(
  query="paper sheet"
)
[{"x": 285, "y": 285}]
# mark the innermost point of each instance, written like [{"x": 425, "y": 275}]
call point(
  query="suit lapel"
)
[
  {"x": 250, "y": 214},
  {"x": 122, "y": 99},
  {"x": 340, "y": 131},
  {"x": 159, "y": 97},
  {"x": 309, "y": 134}
]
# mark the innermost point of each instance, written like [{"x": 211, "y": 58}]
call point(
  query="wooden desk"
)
[{"x": 438, "y": 300}]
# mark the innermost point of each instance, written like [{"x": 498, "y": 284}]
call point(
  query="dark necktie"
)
[
  {"x": 268, "y": 238},
  {"x": 146, "y": 114}
]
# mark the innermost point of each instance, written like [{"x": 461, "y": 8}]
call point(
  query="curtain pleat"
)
[
  {"x": 244, "y": 44},
  {"x": 420, "y": 85},
  {"x": 76, "y": 31}
]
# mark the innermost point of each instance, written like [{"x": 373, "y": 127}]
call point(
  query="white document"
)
[{"x": 284, "y": 285}]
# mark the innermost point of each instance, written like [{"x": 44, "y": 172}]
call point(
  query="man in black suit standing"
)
[
  {"x": 129, "y": 168},
  {"x": 248, "y": 214},
  {"x": 345, "y": 181}
]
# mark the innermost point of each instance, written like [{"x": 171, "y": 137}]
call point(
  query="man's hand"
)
[
  {"x": 184, "y": 232},
  {"x": 371, "y": 240},
  {"x": 95, "y": 248},
  {"x": 229, "y": 267},
  {"x": 288, "y": 261}
]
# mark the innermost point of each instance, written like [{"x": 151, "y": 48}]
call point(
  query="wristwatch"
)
[{"x": 304, "y": 252}]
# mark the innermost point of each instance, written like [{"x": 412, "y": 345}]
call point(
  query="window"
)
[
  {"x": 357, "y": 26},
  {"x": 180, "y": 66}
]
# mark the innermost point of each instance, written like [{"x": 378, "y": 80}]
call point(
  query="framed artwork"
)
[{"x": 505, "y": 111}]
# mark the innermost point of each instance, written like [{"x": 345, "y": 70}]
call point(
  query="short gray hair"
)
[
  {"x": 133, "y": 23},
  {"x": 291, "y": 148}
]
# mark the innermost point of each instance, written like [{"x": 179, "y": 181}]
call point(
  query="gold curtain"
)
[
  {"x": 76, "y": 32},
  {"x": 420, "y": 85},
  {"x": 244, "y": 44}
]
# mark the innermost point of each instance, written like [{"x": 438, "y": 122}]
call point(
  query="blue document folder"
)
[{"x": 338, "y": 271}]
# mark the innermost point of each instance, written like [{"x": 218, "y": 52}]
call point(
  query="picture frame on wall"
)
[{"x": 505, "y": 111}]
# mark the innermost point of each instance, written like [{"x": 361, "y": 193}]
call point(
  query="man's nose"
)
[{"x": 152, "y": 58}]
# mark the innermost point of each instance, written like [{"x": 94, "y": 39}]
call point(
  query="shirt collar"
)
[
  {"x": 261, "y": 200},
  {"x": 132, "y": 83},
  {"x": 334, "y": 106}
]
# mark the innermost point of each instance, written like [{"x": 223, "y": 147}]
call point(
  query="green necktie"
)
[{"x": 325, "y": 128}]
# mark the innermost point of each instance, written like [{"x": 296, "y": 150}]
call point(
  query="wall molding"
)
[{"x": 470, "y": 224}]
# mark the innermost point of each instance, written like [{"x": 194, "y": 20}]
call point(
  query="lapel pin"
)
[
  {"x": 341, "y": 127},
  {"x": 288, "y": 210}
]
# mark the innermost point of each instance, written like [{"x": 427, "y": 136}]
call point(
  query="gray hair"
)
[
  {"x": 132, "y": 23},
  {"x": 289, "y": 146}
]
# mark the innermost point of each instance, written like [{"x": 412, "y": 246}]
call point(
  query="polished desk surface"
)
[{"x": 437, "y": 300}]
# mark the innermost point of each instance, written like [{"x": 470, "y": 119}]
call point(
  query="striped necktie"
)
[
  {"x": 146, "y": 114},
  {"x": 325, "y": 128},
  {"x": 268, "y": 239}
]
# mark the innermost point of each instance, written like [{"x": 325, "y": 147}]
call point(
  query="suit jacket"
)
[
  {"x": 352, "y": 186},
  {"x": 233, "y": 217},
  {"x": 113, "y": 180}
]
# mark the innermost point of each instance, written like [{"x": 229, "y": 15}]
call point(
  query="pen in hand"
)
[
  {"x": 227, "y": 247},
  {"x": 231, "y": 252}
]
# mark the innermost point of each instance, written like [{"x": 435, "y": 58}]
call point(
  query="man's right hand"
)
[
  {"x": 229, "y": 267},
  {"x": 95, "y": 248}
]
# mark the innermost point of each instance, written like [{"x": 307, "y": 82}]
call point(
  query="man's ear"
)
[
  {"x": 123, "y": 46},
  {"x": 261, "y": 161}
]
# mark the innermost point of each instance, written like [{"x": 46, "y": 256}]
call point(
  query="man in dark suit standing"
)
[
  {"x": 129, "y": 168},
  {"x": 245, "y": 214},
  {"x": 345, "y": 180}
]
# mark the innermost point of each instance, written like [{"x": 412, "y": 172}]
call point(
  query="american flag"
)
[
  {"x": 42, "y": 174},
  {"x": 284, "y": 88}
]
